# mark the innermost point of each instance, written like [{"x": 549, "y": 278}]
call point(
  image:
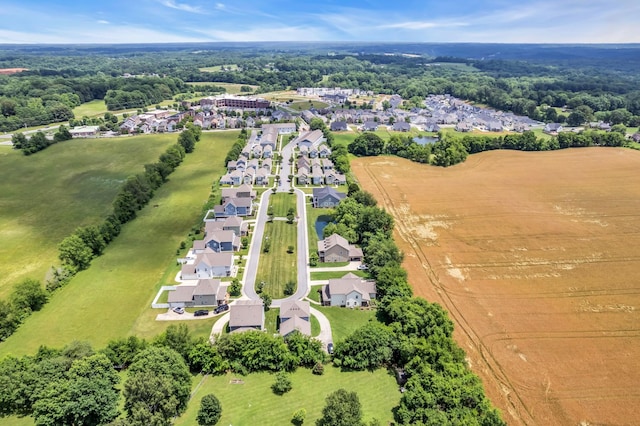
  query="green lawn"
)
[
  {"x": 277, "y": 267},
  {"x": 90, "y": 109},
  {"x": 282, "y": 202},
  {"x": 113, "y": 297},
  {"x": 231, "y": 88},
  {"x": 304, "y": 105},
  {"x": 345, "y": 321},
  {"x": 313, "y": 215},
  {"x": 47, "y": 195},
  {"x": 315, "y": 326},
  {"x": 216, "y": 68},
  {"x": 252, "y": 402},
  {"x": 330, "y": 264},
  {"x": 314, "y": 293},
  {"x": 336, "y": 274},
  {"x": 271, "y": 320}
]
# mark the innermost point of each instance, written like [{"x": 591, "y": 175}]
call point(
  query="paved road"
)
[{"x": 248, "y": 287}]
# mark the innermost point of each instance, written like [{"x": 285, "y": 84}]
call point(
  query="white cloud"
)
[
  {"x": 220, "y": 6},
  {"x": 299, "y": 33},
  {"x": 102, "y": 21},
  {"x": 182, "y": 6},
  {"x": 422, "y": 25}
]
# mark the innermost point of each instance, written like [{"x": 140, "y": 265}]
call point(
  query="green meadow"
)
[
  {"x": 248, "y": 400},
  {"x": 277, "y": 267},
  {"x": 47, "y": 195},
  {"x": 112, "y": 298}
]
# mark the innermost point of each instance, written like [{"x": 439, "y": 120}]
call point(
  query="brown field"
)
[
  {"x": 537, "y": 258},
  {"x": 7, "y": 71}
]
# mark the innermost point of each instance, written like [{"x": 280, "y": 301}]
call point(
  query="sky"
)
[{"x": 163, "y": 21}]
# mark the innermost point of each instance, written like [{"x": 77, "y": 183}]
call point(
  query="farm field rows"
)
[
  {"x": 537, "y": 258},
  {"x": 112, "y": 298}
]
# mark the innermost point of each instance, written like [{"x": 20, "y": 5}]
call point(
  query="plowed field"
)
[{"x": 537, "y": 258}]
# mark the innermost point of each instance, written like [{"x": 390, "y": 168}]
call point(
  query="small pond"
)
[{"x": 320, "y": 224}]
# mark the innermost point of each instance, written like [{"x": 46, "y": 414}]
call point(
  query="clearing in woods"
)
[{"x": 536, "y": 256}]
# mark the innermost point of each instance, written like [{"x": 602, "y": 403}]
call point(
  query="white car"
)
[
  {"x": 178, "y": 310},
  {"x": 362, "y": 267}
]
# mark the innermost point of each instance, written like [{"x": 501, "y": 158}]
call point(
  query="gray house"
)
[
  {"x": 246, "y": 315},
  {"x": 336, "y": 248},
  {"x": 339, "y": 126},
  {"x": 327, "y": 197},
  {"x": 295, "y": 315},
  {"x": 207, "y": 292},
  {"x": 349, "y": 291},
  {"x": 401, "y": 126}
]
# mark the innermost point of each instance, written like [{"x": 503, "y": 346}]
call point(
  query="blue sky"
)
[{"x": 148, "y": 21}]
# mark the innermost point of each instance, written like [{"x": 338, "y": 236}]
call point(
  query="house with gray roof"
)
[
  {"x": 245, "y": 315},
  {"x": 312, "y": 138},
  {"x": 336, "y": 248},
  {"x": 207, "y": 292},
  {"x": 339, "y": 126},
  {"x": 350, "y": 291},
  {"x": 327, "y": 197},
  {"x": 401, "y": 126},
  {"x": 207, "y": 264},
  {"x": 295, "y": 315},
  {"x": 370, "y": 126}
]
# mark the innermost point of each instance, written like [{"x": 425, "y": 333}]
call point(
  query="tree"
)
[
  {"x": 298, "y": 416},
  {"x": 235, "y": 288},
  {"x": 282, "y": 384},
  {"x": 187, "y": 140},
  {"x": 210, "y": 411},
  {"x": 369, "y": 347},
  {"x": 365, "y": 198},
  {"x": 176, "y": 337},
  {"x": 75, "y": 253},
  {"x": 381, "y": 251},
  {"x": 266, "y": 300},
  {"x": 158, "y": 387},
  {"x": 290, "y": 286},
  {"x": 314, "y": 259},
  {"x": 63, "y": 134},
  {"x": 19, "y": 140},
  {"x": 28, "y": 296},
  {"x": 367, "y": 144},
  {"x": 341, "y": 408}
]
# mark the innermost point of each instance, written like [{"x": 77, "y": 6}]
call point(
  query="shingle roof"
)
[{"x": 247, "y": 313}]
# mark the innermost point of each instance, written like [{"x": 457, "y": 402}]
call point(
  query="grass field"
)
[
  {"x": 216, "y": 68},
  {"x": 536, "y": 256},
  {"x": 90, "y": 109},
  {"x": 313, "y": 292},
  {"x": 277, "y": 267},
  {"x": 281, "y": 203},
  {"x": 47, "y": 195},
  {"x": 304, "y": 105},
  {"x": 345, "y": 321},
  {"x": 271, "y": 320},
  {"x": 231, "y": 88},
  {"x": 328, "y": 275},
  {"x": 252, "y": 402},
  {"x": 117, "y": 290}
]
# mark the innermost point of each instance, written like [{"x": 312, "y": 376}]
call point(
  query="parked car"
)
[
  {"x": 200, "y": 313},
  {"x": 363, "y": 267},
  {"x": 221, "y": 308},
  {"x": 178, "y": 310},
  {"x": 330, "y": 348}
]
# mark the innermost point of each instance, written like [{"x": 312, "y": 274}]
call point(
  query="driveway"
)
[
  {"x": 218, "y": 327},
  {"x": 352, "y": 266},
  {"x": 325, "y": 328}
]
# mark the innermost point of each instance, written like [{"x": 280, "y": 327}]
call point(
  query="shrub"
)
[{"x": 282, "y": 384}]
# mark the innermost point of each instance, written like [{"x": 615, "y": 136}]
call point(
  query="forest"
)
[{"x": 600, "y": 83}]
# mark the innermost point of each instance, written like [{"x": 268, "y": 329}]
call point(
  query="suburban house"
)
[
  {"x": 327, "y": 197},
  {"x": 281, "y": 128},
  {"x": 220, "y": 241},
  {"x": 246, "y": 315},
  {"x": 243, "y": 191},
  {"x": 262, "y": 177},
  {"x": 324, "y": 151},
  {"x": 350, "y": 291},
  {"x": 207, "y": 292},
  {"x": 309, "y": 139},
  {"x": 236, "y": 225},
  {"x": 207, "y": 264},
  {"x": 234, "y": 207},
  {"x": 336, "y": 248},
  {"x": 295, "y": 315},
  {"x": 395, "y": 101},
  {"x": 339, "y": 126},
  {"x": 552, "y": 128},
  {"x": 370, "y": 126},
  {"x": 401, "y": 126}
]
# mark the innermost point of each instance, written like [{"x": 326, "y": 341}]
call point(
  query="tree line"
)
[
  {"x": 451, "y": 149},
  {"x": 86, "y": 243}
]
